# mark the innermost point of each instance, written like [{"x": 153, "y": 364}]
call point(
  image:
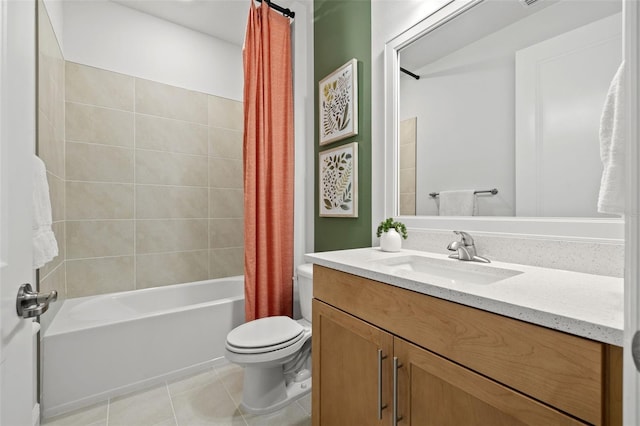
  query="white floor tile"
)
[
  {"x": 291, "y": 415},
  {"x": 177, "y": 387},
  {"x": 87, "y": 416},
  {"x": 208, "y": 398},
  {"x": 207, "y": 405},
  {"x": 232, "y": 377},
  {"x": 305, "y": 403},
  {"x": 145, "y": 408}
]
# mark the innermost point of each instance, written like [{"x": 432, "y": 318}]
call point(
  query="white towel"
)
[
  {"x": 612, "y": 148},
  {"x": 457, "y": 203},
  {"x": 45, "y": 247}
]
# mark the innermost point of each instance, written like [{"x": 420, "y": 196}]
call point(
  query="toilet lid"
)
[
  {"x": 265, "y": 332},
  {"x": 265, "y": 349}
]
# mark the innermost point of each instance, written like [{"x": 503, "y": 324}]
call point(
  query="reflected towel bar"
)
[{"x": 493, "y": 191}]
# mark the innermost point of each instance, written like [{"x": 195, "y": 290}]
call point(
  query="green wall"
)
[{"x": 342, "y": 31}]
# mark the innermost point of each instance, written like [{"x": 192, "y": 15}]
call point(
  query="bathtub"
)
[{"x": 101, "y": 346}]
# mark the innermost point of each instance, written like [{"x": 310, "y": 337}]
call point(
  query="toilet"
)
[{"x": 275, "y": 353}]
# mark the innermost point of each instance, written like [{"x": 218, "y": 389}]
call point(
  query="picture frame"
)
[
  {"x": 338, "y": 104},
  {"x": 338, "y": 181}
]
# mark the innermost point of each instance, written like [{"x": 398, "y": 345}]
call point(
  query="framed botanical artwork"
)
[
  {"x": 338, "y": 103},
  {"x": 338, "y": 169}
]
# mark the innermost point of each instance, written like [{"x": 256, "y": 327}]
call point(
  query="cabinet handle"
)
[
  {"x": 380, "y": 406},
  {"x": 396, "y": 366}
]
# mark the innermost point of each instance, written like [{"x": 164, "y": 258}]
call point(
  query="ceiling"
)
[
  {"x": 474, "y": 24},
  {"x": 223, "y": 19},
  {"x": 491, "y": 16}
]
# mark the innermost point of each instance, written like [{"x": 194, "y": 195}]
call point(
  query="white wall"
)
[
  {"x": 465, "y": 131},
  {"x": 303, "y": 96},
  {"x": 113, "y": 37},
  {"x": 55, "y": 10},
  {"x": 303, "y": 92},
  {"x": 389, "y": 18}
]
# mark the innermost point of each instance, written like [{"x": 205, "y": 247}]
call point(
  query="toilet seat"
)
[
  {"x": 265, "y": 335},
  {"x": 263, "y": 349}
]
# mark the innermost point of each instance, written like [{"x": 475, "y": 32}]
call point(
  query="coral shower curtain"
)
[{"x": 268, "y": 164}]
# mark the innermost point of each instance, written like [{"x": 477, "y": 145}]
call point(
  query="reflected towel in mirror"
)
[
  {"x": 458, "y": 203},
  {"x": 612, "y": 148}
]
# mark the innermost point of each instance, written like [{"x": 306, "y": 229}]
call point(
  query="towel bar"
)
[{"x": 493, "y": 191}]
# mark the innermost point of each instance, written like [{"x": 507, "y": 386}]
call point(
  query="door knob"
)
[
  {"x": 30, "y": 304},
  {"x": 635, "y": 349}
]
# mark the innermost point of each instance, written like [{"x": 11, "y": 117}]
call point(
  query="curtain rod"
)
[
  {"x": 286, "y": 12},
  {"x": 406, "y": 71}
]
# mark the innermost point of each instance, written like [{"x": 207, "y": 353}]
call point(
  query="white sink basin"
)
[{"x": 444, "y": 270}]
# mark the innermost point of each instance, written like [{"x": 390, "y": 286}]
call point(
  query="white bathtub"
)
[{"x": 98, "y": 347}]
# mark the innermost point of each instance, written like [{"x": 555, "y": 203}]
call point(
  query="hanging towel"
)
[
  {"x": 612, "y": 148},
  {"x": 45, "y": 247},
  {"x": 457, "y": 203}
]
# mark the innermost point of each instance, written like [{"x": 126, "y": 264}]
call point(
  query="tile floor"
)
[{"x": 208, "y": 398}]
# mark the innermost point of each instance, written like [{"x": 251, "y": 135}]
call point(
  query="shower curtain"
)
[{"x": 268, "y": 164}]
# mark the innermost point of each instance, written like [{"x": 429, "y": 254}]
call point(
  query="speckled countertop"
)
[{"x": 586, "y": 305}]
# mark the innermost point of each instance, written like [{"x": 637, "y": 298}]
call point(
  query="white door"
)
[
  {"x": 17, "y": 143},
  {"x": 561, "y": 85},
  {"x": 631, "y": 402}
]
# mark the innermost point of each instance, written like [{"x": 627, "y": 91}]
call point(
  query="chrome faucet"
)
[{"x": 465, "y": 248}]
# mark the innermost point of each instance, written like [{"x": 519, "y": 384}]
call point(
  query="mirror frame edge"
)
[{"x": 597, "y": 229}]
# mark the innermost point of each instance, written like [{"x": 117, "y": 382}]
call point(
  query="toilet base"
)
[{"x": 265, "y": 390}]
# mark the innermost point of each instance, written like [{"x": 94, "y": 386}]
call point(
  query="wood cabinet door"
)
[
  {"x": 435, "y": 391},
  {"x": 346, "y": 378}
]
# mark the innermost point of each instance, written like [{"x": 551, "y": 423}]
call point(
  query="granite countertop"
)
[{"x": 586, "y": 305}]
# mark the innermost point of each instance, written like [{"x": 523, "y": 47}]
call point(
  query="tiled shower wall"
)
[
  {"x": 408, "y": 166},
  {"x": 51, "y": 148},
  {"x": 153, "y": 183}
]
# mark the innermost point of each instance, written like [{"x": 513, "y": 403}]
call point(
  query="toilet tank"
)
[{"x": 305, "y": 289}]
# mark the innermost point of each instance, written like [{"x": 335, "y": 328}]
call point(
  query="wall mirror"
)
[{"x": 506, "y": 95}]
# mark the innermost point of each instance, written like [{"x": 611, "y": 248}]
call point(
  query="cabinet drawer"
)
[{"x": 562, "y": 370}]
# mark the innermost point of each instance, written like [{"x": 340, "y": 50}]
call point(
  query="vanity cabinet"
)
[
  {"x": 348, "y": 352},
  {"x": 448, "y": 364}
]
